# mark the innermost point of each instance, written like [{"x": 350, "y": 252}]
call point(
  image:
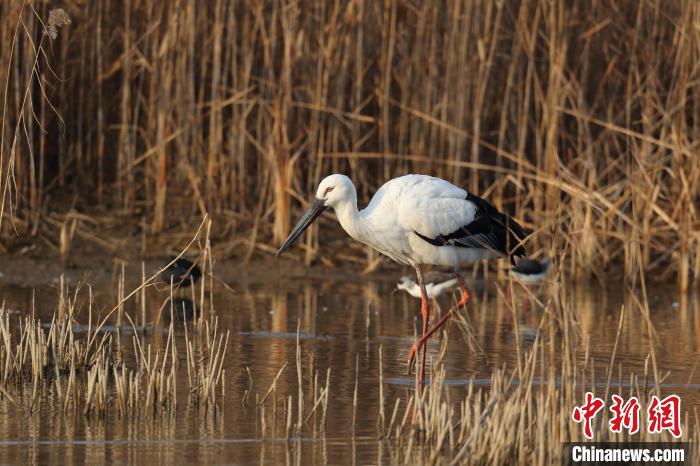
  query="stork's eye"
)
[{"x": 328, "y": 189}]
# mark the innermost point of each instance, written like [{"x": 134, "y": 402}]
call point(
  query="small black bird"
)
[{"x": 183, "y": 273}]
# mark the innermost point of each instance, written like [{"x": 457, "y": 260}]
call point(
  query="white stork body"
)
[
  {"x": 418, "y": 220},
  {"x": 408, "y": 205}
]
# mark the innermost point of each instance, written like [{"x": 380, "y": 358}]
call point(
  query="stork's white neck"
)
[{"x": 349, "y": 217}]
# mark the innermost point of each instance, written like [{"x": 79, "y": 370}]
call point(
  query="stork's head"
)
[{"x": 332, "y": 191}]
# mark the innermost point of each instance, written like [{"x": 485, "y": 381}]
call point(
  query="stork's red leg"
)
[
  {"x": 425, "y": 311},
  {"x": 462, "y": 303}
]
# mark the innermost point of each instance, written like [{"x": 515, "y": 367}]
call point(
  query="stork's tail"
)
[
  {"x": 514, "y": 239},
  {"x": 511, "y": 235}
]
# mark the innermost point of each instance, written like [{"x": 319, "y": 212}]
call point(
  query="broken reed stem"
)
[
  {"x": 325, "y": 399},
  {"x": 273, "y": 385}
]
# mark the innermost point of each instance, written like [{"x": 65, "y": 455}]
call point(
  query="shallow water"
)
[{"x": 339, "y": 323}]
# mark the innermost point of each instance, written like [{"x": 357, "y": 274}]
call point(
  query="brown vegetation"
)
[
  {"x": 87, "y": 372},
  {"x": 582, "y": 117}
]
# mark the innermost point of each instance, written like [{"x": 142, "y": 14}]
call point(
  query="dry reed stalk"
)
[
  {"x": 273, "y": 385},
  {"x": 300, "y": 384},
  {"x": 249, "y": 388},
  {"x": 354, "y": 395},
  {"x": 381, "y": 418}
]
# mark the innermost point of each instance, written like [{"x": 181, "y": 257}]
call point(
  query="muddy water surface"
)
[{"x": 341, "y": 324}]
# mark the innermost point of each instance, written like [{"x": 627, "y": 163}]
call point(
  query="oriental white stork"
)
[{"x": 419, "y": 220}]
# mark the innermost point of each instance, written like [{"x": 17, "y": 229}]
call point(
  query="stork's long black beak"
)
[{"x": 307, "y": 219}]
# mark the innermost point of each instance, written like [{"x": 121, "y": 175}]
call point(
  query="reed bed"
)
[
  {"x": 517, "y": 420},
  {"x": 85, "y": 369},
  {"x": 88, "y": 373},
  {"x": 524, "y": 414},
  {"x": 581, "y": 117}
]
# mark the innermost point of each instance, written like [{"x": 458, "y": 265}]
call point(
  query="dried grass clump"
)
[
  {"x": 57, "y": 19},
  {"x": 87, "y": 372},
  {"x": 105, "y": 382}
]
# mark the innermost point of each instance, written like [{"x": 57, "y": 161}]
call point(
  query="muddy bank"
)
[{"x": 102, "y": 271}]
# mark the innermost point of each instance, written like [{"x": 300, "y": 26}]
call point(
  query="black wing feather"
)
[{"x": 490, "y": 229}]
